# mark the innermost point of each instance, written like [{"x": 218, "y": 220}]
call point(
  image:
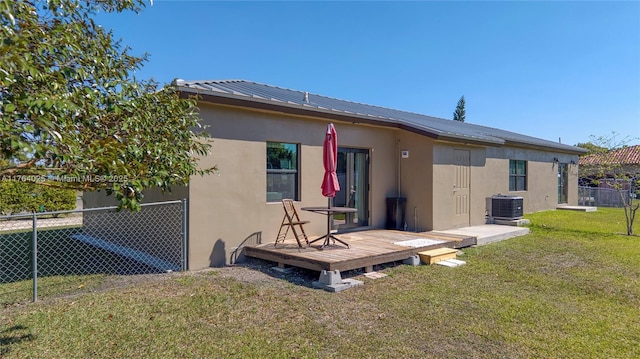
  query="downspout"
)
[{"x": 398, "y": 158}]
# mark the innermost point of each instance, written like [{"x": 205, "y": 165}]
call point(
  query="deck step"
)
[{"x": 437, "y": 255}]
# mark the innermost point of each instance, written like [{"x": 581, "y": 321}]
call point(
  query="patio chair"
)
[{"x": 291, "y": 220}]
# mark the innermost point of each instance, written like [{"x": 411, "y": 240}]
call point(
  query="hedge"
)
[{"x": 17, "y": 197}]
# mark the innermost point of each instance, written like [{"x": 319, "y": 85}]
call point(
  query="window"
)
[
  {"x": 282, "y": 171},
  {"x": 517, "y": 175}
]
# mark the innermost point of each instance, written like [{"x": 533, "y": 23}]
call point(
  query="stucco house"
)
[
  {"x": 267, "y": 144},
  {"x": 623, "y": 162},
  {"x": 603, "y": 174}
]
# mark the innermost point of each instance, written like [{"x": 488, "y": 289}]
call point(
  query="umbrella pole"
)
[{"x": 329, "y": 215}]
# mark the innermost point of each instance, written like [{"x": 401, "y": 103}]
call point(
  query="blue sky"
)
[{"x": 552, "y": 70}]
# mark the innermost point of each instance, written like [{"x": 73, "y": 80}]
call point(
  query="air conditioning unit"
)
[{"x": 506, "y": 207}]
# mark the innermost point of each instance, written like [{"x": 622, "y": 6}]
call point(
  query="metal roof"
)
[{"x": 435, "y": 127}]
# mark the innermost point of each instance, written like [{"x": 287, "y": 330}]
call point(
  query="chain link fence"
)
[
  {"x": 58, "y": 253},
  {"x": 602, "y": 197}
]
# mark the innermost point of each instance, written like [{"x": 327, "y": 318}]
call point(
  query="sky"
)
[{"x": 561, "y": 71}]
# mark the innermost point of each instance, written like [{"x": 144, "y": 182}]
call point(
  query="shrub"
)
[
  {"x": 16, "y": 197},
  {"x": 56, "y": 199}
]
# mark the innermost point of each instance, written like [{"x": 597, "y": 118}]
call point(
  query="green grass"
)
[
  {"x": 65, "y": 266},
  {"x": 570, "y": 289}
]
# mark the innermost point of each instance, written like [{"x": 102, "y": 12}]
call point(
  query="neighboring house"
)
[
  {"x": 610, "y": 179},
  {"x": 267, "y": 144},
  {"x": 606, "y": 167}
]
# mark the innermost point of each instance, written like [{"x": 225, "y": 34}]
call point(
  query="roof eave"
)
[
  {"x": 295, "y": 109},
  {"x": 282, "y": 107},
  {"x": 565, "y": 149},
  {"x": 230, "y": 99}
]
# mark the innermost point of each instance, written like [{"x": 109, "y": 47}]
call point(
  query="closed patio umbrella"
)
[{"x": 330, "y": 184}]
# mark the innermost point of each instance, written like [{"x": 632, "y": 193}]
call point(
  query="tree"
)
[
  {"x": 73, "y": 116},
  {"x": 606, "y": 166},
  {"x": 592, "y": 148},
  {"x": 459, "y": 113}
]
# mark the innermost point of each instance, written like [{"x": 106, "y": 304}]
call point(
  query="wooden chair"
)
[{"x": 291, "y": 220}]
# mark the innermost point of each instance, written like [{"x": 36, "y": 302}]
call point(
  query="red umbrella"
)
[{"x": 330, "y": 184}]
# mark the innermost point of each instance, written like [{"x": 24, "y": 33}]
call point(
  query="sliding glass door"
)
[
  {"x": 563, "y": 179},
  {"x": 353, "y": 175}
]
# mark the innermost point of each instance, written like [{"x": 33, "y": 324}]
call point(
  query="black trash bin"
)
[{"x": 396, "y": 208}]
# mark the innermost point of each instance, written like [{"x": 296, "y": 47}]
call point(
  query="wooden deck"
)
[{"x": 367, "y": 248}]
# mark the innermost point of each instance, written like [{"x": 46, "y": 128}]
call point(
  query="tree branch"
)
[{"x": 12, "y": 170}]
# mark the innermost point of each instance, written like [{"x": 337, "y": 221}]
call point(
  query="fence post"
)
[
  {"x": 185, "y": 234},
  {"x": 34, "y": 256}
]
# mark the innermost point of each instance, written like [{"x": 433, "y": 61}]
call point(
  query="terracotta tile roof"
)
[{"x": 624, "y": 156}]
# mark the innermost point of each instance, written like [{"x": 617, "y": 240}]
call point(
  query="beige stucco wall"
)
[
  {"x": 228, "y": 207},
  {"x": 443, "y": 185},
  {"x": 490, "y": 176},
  {"x": 416, "y": 179},
  {"x": 542, "y": 176},
  {"x": 428, "y": 175}
]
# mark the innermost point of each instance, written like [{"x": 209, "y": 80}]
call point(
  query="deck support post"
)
[
  {"x": 332, "y": 281},
  {"x": 414, "y": 260}
]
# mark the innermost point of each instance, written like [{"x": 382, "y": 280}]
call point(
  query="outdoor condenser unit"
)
[{"x": 506, "y": 207}]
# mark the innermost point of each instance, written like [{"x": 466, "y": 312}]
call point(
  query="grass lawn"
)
[
  {"x": 570, "y": 289},
  {"x": 65, "y": 266}
]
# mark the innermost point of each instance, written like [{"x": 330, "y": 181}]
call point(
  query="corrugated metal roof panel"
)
[{"x": 437, "y": 126}]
